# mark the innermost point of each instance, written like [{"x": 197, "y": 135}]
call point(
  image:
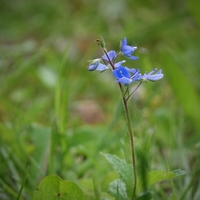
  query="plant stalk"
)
[{"x": 130, "y": 133}]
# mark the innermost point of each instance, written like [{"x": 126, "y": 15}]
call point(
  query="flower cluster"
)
[{"x": 123, "y": 74}]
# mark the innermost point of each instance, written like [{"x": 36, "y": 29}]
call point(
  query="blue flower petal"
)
[
  {"x": 132, "y": 70},
  {"x": 93, "y": 66},
  {"x": 128, "y": 50},
  {"x": 126, "y": 75},
  {"x": 124, "y": 41},
  {"x": 153, "y": 77},
  {"x": 118, "y": 64},
  {"x": 137, "y": 77},
  {"x": 121, "y": 72},
  {"x": 124, "y": 80},
  {"x": 153, "y": 70},
  {"x": 101, "y": 67},
  {"x": 111, "y": 54},
  {"x": 132, "y": 57}
]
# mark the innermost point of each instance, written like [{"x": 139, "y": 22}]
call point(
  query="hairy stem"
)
[{"x": 130, "y": 133}]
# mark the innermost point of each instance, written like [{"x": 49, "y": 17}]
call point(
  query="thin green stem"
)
[
  {"x": 130, "y": 132},
  {"x": 133, "y": 91},
  {"x": 109, "y": 61},
  {"x": 127, "y": 90}
]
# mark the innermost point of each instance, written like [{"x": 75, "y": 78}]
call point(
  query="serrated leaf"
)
[
  {"x": 118, "y": 189},
  {"x": 124, "y": 169},
  {"x": 157, "y": 176},
  {"x": 53, "y": 187}
]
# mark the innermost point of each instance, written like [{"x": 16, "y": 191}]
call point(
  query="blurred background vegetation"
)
[{"x": 56, "y": 117}]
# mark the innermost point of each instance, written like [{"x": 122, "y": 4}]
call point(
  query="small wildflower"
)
[
  {"x": 109, "y": 58},
  {"x": 127, "y": 50},
  {"x": 122, "y": 74},
  {"x": 152, "y": 76},
  {"x": 94, "y": 64},
  {"x": 126, "y": 76}
]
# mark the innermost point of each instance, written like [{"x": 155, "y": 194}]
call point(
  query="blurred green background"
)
[{"x": 56, "y": 117}]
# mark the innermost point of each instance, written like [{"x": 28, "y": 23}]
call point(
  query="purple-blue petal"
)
[
  {"x": 127, "y": 50},
  {"x": 124, "y": 41},
  {"x": 153, "y": 70},
  {"x": 101, "y": 67},
  {"x": 93, "y": 66},
  {"x": 153, "y": 77},
  {"x": 121, "y": 72},
  {"x": 132, "y": 57},
  {"x": 132, "y": 70},
  {"x": 124, "y": 80},
  {"x": 159, "y": 71},
  {"x": 111, "y": 54},
  {"x": 118, "y": 64},
  {"x": 137, "y": 77}
]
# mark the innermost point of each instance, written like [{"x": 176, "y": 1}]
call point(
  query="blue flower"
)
[
  {"x": 94, "y": 64},
  {"x": 152, "y": 76},
  {"x": 128, "y": 50},
  {"x": 98, "y": 64},
  {"x": 126, "y": 76},
  {"x": 122, "y": 74},
  {"x": 101, "y": 67}
]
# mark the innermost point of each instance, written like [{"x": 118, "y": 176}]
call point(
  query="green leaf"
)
[
  {"x": 124, "y": 169},
  {"x": 23, "y": 183},
  {"x": 53, "y": 187},
  {"x": 118, "y": 189},
  {"x": 157, "y": 176},
  {"x": 62, "y": 94},
  {"x": 40, "y": 137},
  {"x": 145, "y": 196}
]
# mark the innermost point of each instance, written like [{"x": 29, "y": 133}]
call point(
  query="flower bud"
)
[
  {"x": 94, "y": 64},
  {"x": 101, "y": 42}
]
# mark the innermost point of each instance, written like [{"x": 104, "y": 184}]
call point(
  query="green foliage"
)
[
  {"x": 56, "y": 117},
  {"x": 41, "y": 136},
  {"x": 23, "y": 184},
  {"x": 193, "y": 7},
  {"x": 189, "y": 100},
  {"x": 53, "y": 187},
  {"x": 123, "y": 187},
  {"x": 61, "y": 98},
  {"x": 157, "y": 176},
  {"x": 125, "y": 171},
  {"x": 118, "y": 189},
  {"x": 145, "y": 196}
]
